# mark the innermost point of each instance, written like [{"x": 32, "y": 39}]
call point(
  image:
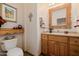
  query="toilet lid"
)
[{"x": 15, "y": 52}]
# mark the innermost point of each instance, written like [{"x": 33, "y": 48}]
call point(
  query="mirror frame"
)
[{"x": 67, "y": 6}]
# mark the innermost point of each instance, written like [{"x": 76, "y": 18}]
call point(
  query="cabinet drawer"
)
[
  {"x": 44, "y": 36},
  {"x": 58, "y": 38},
  {"x": 74, "y": 50},
  {"x": 74, "y": 40}
]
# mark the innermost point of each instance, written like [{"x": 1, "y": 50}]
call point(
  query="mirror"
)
[{"x": 60, "y": 16}]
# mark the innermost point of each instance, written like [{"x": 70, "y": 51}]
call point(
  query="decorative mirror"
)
[{"x": 60, "y": 16}]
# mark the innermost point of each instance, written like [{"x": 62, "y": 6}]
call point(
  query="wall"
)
[
  {"x": 19, "y": 21},
  {"x": 42, "y": 11},
  {"x": 75, "y": 13}
]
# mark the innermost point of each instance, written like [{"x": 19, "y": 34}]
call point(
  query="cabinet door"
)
[
  {"x": 53, "y": 48},
  {"x": 74, "y": 50},
  {"x": 44, "y": 46},
  {"x": 63, "y": 49}
]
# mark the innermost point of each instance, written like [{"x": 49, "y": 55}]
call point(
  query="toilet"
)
[{"x": 11, "y": 48}]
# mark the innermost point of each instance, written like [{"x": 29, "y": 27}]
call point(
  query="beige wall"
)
[
  {"x": 42, "y": 11},
  {"x": 75, "y": 13}
]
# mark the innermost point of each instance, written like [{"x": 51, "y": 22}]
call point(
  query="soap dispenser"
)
[{"x": 50, "y": 30}]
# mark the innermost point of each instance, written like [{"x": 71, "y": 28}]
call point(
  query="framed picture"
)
[{"x": 9, "y": 12}]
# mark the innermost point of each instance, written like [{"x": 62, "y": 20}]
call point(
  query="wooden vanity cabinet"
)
[
  {"x": 74, "y": 50},
  {"x": 53, "y": 48},
  {"x": 74, "y": 46},
  {"x": 63, "y": 51},
  {"x": 44, "y": 44},
  {"x": 57, "y": 45}
]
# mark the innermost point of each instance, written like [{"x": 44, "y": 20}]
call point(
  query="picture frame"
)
[{"x": 9, "y": 13}]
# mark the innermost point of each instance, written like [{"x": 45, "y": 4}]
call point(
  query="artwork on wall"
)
[{"x": 9, "y": 12}]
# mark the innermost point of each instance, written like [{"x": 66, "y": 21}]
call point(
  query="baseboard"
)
[
  {"x": 28, "y": 53},
  {"x": 41, "y": 54}
]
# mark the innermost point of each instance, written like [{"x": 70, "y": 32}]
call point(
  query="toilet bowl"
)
[
  {"x": 11, "y": 48},
  {"x": 15, "y": 52}
]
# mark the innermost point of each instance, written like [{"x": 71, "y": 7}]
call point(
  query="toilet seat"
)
[{"x": 15, "y": 52}]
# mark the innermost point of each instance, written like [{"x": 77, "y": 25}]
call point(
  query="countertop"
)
[{"x": 63, "y": 34}]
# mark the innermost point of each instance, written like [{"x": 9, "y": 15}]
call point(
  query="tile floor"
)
[
  {"x": 28, "y": 54},
  {"x": 4, "y": 53},
  {"x": 25, "y": 54}
]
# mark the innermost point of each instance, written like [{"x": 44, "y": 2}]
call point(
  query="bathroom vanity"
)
[{"x": 60, "y": 44}]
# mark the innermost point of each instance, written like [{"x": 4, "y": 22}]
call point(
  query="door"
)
[
  {"x": 74, "y": 50},
  {"x": 62, "y": 49},
  {"x": 57, "y": 48},
  {"x": 53, "y": 48},
  {"x": 31, "y": 26}
]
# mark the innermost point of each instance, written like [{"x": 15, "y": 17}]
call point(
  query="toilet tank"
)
[{"x": 8, "y": 44}]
